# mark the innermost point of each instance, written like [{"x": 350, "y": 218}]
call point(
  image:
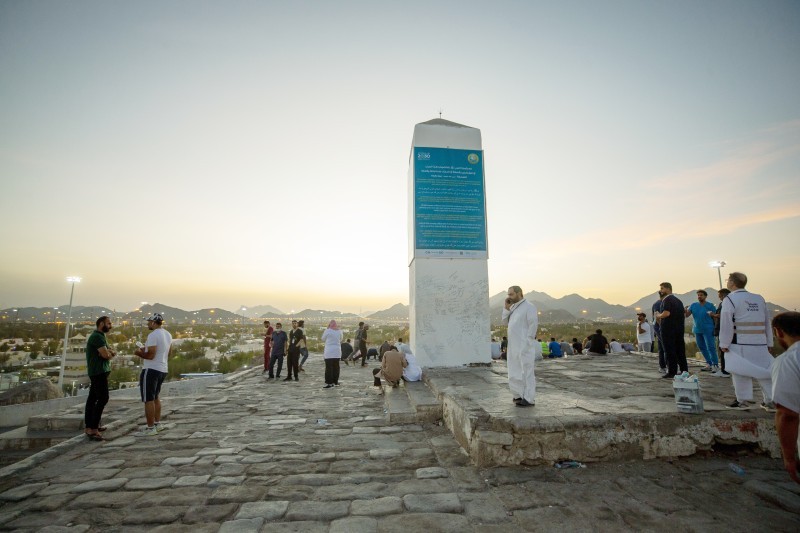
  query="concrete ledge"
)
[
  {"x": 427, "y": 407},
  {"x": 589, "y": 417},
  {"x": 125, "y": 418},
  {"x": 398, "y": 407},
  {"x": 19, "y": 414}
]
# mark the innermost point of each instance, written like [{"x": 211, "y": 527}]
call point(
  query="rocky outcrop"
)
[{"x": 33, "y": 391}]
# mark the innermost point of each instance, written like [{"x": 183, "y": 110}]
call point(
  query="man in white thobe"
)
[
  {"x": 523, "y": 321},
  {"x": 786, "y": 389},
  {"x": 745, "y": 336}
]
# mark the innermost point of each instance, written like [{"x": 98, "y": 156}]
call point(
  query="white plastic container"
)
[{"x": 687, "y": 397}]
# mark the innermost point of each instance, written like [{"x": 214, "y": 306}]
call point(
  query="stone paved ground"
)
[{"x": 275, "y": 456}]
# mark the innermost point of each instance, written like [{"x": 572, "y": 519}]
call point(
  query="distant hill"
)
[
  {"x": 262, "y": 311},
  {"x": 321, "y": 314},
  {"x": 181, "y": 316},
  {"x": 569, "y": 308},
  {"x": 396, "y": 312}
]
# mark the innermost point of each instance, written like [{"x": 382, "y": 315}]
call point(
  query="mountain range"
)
[{"x": 569, "y": 308}]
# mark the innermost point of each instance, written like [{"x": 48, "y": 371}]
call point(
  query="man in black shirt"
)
[
  {"x": 293, "y": 358},
  {"x": 577, "y": 347},
  {"x": 722, "y": 293},
  {"x": 672, "y": 319},
  {"x": 658, "y": 306},
  {"x": 598, "y": 345}
]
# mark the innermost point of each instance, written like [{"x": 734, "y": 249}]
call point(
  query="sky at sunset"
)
[{"x": 219, "y": 154}]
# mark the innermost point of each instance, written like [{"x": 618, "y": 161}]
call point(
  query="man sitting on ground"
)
[
  {"x": 566, "y": 348},
  {"x": 616, "y": 347},
  {"x": 495, "y": 349},
  {"x": 598, "y": 345},
  {"x": 555, "y": 348},
  {"x": 412, "y": 371},
  {"x": 577, "y": 347}
]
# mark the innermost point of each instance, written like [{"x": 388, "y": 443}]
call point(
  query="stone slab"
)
[
  {"x": 317, "y": 511},
  {"x": 272, "y": 510}
]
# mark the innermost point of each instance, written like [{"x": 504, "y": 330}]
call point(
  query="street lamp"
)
[
  {"x": 73, "y": 280},
  {"x": 718, "y": 265}
]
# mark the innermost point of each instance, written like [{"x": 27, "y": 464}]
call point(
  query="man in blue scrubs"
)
[{"x": 702, "y": 312}]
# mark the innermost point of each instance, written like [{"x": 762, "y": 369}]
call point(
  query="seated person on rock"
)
[
  {"x": 412, "y": 371},
  {"x": 496, "y": 352},
  {"x": 616, "y": 347},
  {"x": 566, "y": 348},
  {"x": 577, "y": 347},
  {"x": 598, "y": 345},
  {"x": 628, "y": 347},
  {"x": 554, "y": 348}
]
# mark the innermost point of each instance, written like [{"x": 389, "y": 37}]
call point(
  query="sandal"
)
[
  {"x": 95, "y": 436},
  {"x": 102, "y": 428}
]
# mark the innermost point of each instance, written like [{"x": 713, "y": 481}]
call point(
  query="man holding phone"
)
[
  {"x": 523, "y": 321},
  {"x": 154, "y": 370}
]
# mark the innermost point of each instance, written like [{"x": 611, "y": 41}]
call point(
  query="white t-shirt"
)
[
  {"x": 161, "y": 339},
  {"x": 616, "y": 347},
  {"x": 646, "y": 336},
  {"x": 333, "y": 343},
  {"x": 786, "y": 378}
]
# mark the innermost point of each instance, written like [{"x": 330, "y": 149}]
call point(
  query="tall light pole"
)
[
  {"x": 73, "y": 280},
  {"x": 718, "y": 265}
]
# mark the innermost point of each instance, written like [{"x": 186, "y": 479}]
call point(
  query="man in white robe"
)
[{"x": 523, "y": 321}]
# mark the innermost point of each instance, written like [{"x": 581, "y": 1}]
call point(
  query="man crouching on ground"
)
[
  {"x": 154, "y": 370},
  {"x": 391, "y": 368}
]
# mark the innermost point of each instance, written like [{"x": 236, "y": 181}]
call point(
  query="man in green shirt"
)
[{"x": 98, "y": 366}]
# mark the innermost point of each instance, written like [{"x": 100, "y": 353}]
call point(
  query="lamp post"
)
[
  {"x": 73, "y": 280},
  {"x": 718, "y": 265}
]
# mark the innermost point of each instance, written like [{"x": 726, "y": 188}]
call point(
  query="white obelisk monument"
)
[{"x": 448, "y": 253}]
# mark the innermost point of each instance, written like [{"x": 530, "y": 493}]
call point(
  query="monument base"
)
[{"x": 449, "y": 312}]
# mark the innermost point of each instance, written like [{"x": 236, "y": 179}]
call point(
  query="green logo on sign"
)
[{"x": 473, "y": 158}]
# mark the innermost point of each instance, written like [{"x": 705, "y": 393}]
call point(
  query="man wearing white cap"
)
[{"x": 154, "y": 370}]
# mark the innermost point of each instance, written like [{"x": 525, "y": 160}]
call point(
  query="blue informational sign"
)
[{"x": 449, "y": 203}]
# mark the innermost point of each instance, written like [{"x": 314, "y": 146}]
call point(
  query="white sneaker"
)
[
  {"x": 146, "y": 432},
  {"x": 718, "y": 374},
  {"x": 161, "y": 427}
]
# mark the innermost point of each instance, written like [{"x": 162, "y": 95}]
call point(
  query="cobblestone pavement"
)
[{"x": 257, "y": 455}]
